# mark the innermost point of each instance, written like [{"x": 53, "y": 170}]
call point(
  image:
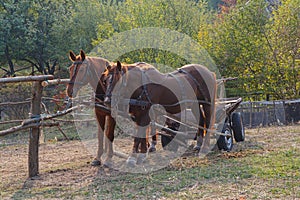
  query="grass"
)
[
  {"x": 190, "y": 183},
  {"x": 256, "y": 169}
]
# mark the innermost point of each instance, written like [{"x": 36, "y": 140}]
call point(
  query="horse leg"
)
[
  {"x": 109, "y": 133},
  {"x": 132, "y": 159},
  {"x": 200, "y": 132},
  {"x": 143, "y": 142},
  {"x": 152, "y": 147},
  {"x": 101, "y": 124},
  {"x": 139, "y": 141},
  {"x": 208, "y": 123},
  {"x": 142, "y": 122}
]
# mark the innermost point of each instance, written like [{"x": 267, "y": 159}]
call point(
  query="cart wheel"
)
[
  {"x": 225, "y": 142},
  {"x": 166, "y": 140},
  {"x": 237, "y": 127}
]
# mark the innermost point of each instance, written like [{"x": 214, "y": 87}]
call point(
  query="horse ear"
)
[
  {"x": 72, "y": 56},
  {"x": 82, "y": 54},
  {"x": 119, "y": 65}
]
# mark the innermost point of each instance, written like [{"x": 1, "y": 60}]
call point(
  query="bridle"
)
[
  {"x": 118, "y": 96},
  {"x": 82, "y": 82},
  {"x": 109, "y": 89}
]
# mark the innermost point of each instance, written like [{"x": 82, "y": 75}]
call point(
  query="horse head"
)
[
  {"x": 110, "y": 78},
  {"x": 78, "y": 71}
]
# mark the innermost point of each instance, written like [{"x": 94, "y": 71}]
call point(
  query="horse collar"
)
[
  {"x": 144, "y": 90},
  {"x": 180, "y": 70}
]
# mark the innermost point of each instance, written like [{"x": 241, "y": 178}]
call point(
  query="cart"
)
[{"x": 229, "y": 127}]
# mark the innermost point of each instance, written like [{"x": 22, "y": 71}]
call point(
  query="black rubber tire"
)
[
  {"x": 225, "y": 142},
  {"x": 165, "y": 140},
  {"x": 238, "y": 127},
  {"x": 168, "y": 143}
]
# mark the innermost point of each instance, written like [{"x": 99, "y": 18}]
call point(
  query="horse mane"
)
[{"x": 127, "y": 67}]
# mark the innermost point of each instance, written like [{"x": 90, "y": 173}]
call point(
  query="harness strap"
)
[
  {"x": 144, "y": 91},
  {"x": 77, "y": 62},
  {"x": 136, "y": 102},
  {"x": 183, "y": 94},
  {"x": 194, "y": 80}
]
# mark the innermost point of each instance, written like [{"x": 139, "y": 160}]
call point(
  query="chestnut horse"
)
[
  {"x": 192, "y": 86},
  {"x": 87, "y": 70}
]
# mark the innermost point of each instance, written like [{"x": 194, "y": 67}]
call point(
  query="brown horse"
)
[
  {"x": 192, "y": 86},
  {"x": 150, "y": 131},
  {"x": 87, "y": 70}
]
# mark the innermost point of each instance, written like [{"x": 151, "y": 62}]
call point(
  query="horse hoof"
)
[
  {"x": 96, "y": 163},
  {"x": 131, "y": 161},
  {"x": 107, "y": 164},
  {"x": 152, "y": 149},
  {"x": 197, "y": 148},
  {"x": 141, "y": 158},
  {"x": 204, "y": 150}
]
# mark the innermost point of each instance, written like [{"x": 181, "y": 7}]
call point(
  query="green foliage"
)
[
  {"x": 182, "y": 16},
  {"x": 258, "y": 47},
  {"x": 252, "y": 40},
  {"x": 283, "y": 47},
  {"x": 29, "y": 33}
]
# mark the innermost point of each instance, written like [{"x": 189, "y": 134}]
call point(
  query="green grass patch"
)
[
  {"x": 283, "y": 164},
  {"x": 39, "y": 193}
]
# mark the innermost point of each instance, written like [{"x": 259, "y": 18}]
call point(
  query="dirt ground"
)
[{"x": 66, "y": 173}]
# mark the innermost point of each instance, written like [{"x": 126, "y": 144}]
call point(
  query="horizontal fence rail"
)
[
  {"x": 266, "y": 113},
  {"x": 36, "y": 119},
  {"x": 26, "y": 79},
  {"x": 55, "y": 82}
]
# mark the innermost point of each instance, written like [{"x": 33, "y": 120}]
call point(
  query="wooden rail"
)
[
  {"x": 26, "y": 79},
  {"x": 55, "y": 82},
  {"x": 35, "y": 122}
]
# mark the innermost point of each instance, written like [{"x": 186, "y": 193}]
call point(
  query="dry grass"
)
[{"x": 265, "y": 166}]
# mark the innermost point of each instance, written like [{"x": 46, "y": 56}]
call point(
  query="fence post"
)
[
  {"x": 35, "y": 110},
  {"x": 251, "y": 111}
]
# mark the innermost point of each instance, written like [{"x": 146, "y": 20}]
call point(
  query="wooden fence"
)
[
  {"x": 267, "y": 113},
  {"x": 35, "y": 120}
]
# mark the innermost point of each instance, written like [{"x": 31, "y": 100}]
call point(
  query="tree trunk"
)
[{"x": 10, "y": 63}]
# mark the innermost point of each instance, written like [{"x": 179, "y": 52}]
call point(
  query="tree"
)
[
  {"x": 44, "y": 19},
  {"x": 181, "y": 16},
  {"x": 29, "y": 33},
  {"x": 246, "y": 43},
  {"x": 283, "y": 44},
  {"x": 12, "y": 32}
]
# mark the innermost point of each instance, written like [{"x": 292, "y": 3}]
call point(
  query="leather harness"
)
[{"x": 148, "y": 103}]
